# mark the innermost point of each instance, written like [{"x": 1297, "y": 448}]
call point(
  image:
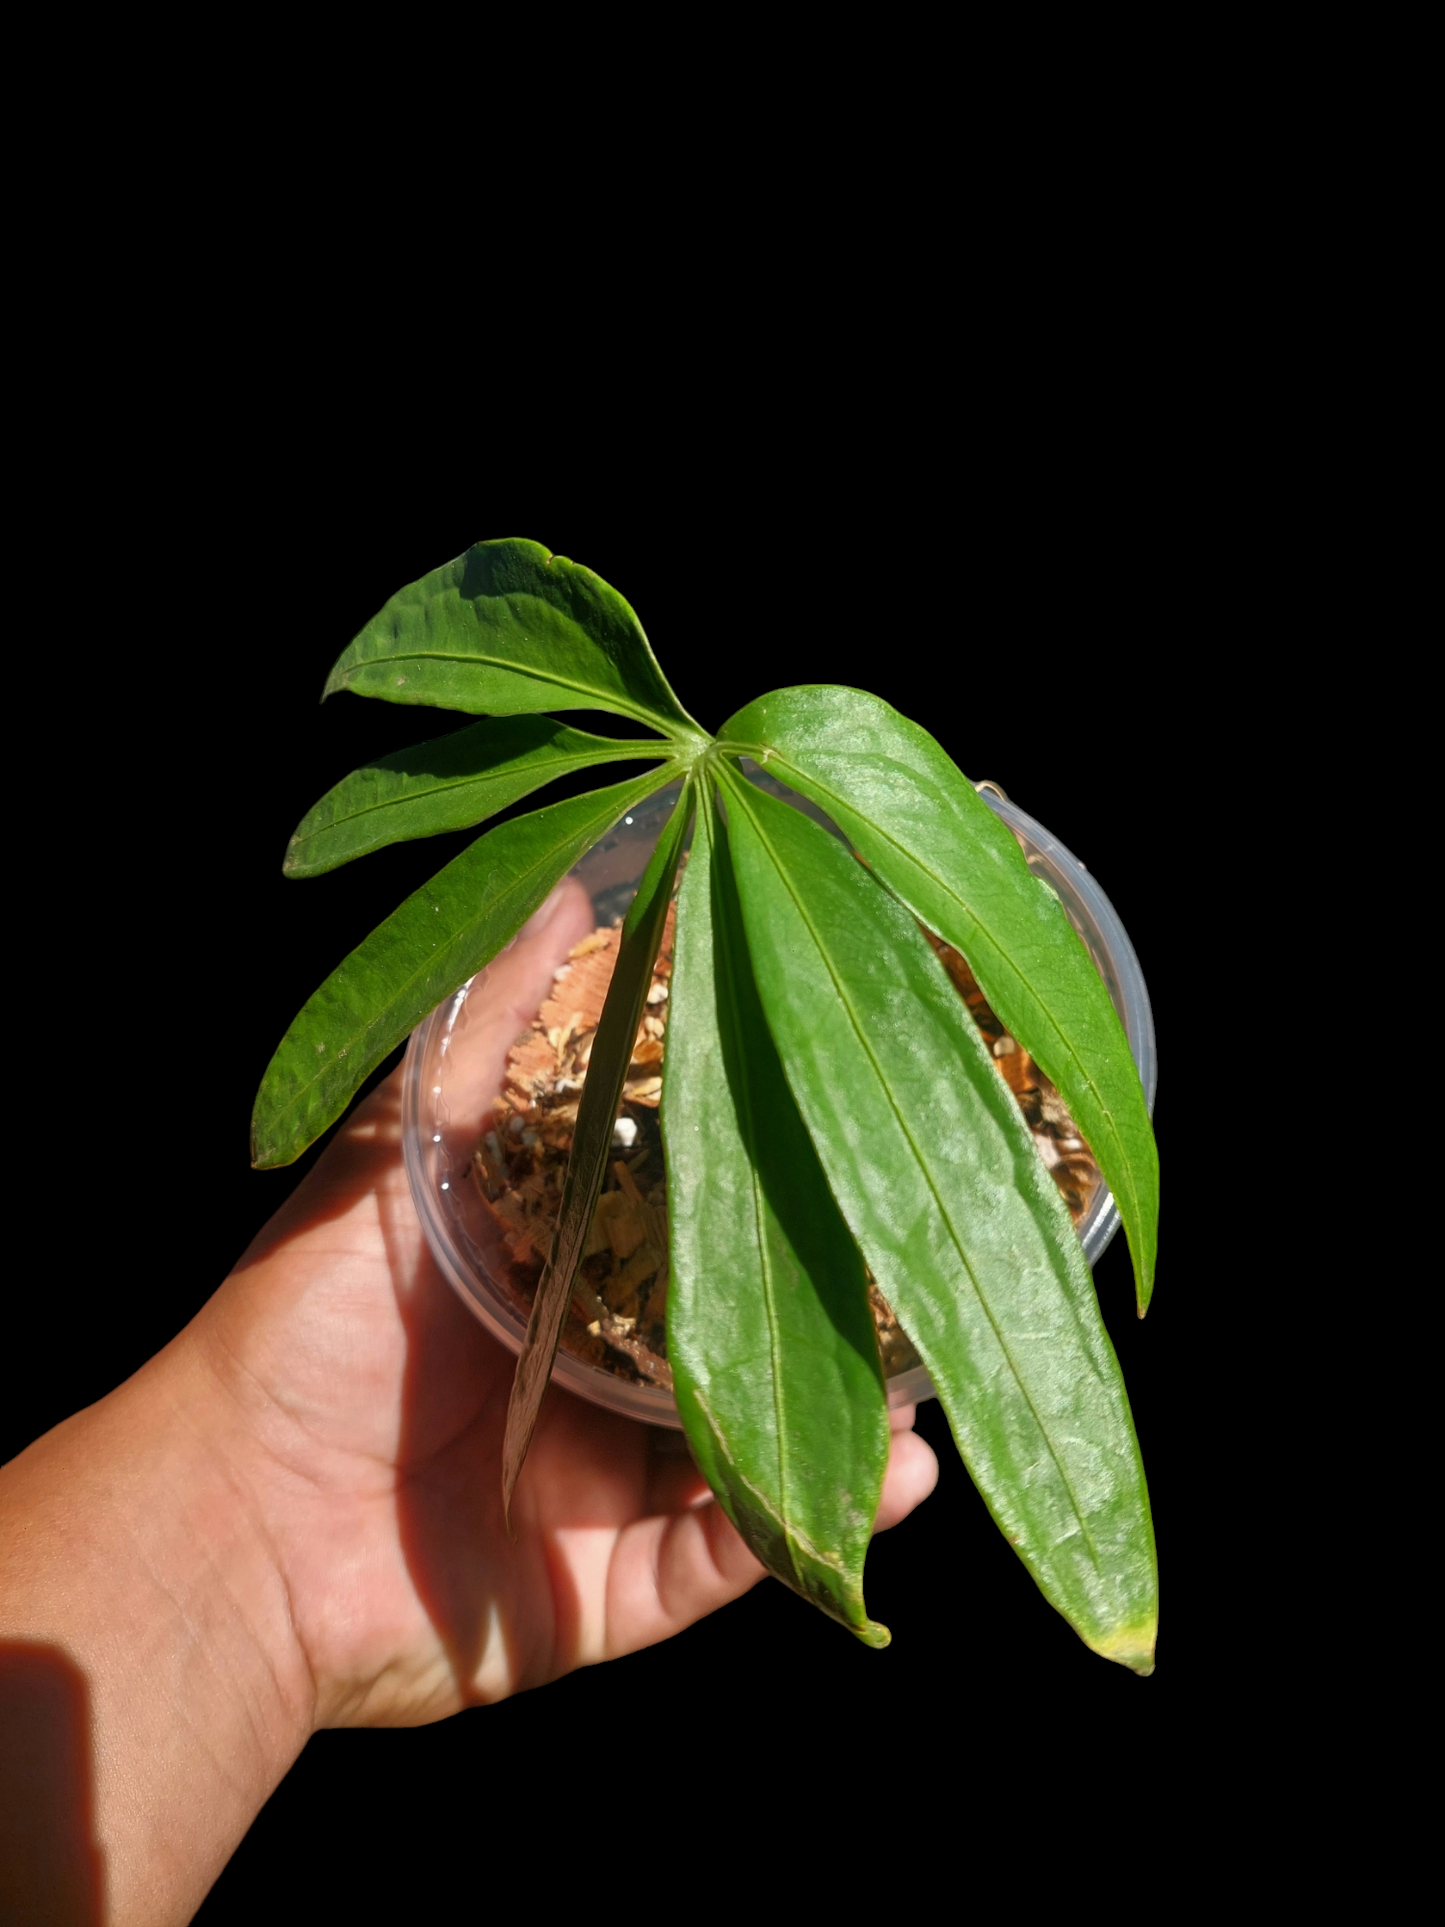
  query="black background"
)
[{"x": 1049, "y": 600}]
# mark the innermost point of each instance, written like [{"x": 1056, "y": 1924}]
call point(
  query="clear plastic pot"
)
[{"x": 438, "y": 1146}]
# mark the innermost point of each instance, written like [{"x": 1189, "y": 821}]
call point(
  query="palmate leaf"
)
[
  {"x": 509, "y": 629},
  {"x": 937, "y": 1175},
  {"x": 447, "y": 784},
  {"x": 826, "y": 1098},
  {"x": 592, "y": 1141},
  {"x": 922, "y": 827},
  {"x": 430, "y": 945},
  {"x": 769, "y": 1332}
]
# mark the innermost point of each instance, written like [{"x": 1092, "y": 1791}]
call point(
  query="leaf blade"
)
[
  {"x": 923, "y": 828},
  {"x": 449, "y": 783},
  {"x": 441, "y": 935},
  {"x": 769, "y": 1332},
  {"x": 952, "y": 1207},
  {"x": 596, "y": 1114},
  {"x": 509, "y": 629}
]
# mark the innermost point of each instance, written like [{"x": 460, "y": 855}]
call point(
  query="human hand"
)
[
  {"x": 374, "y": 1405},
  {"x": 291, "y": 1517}
]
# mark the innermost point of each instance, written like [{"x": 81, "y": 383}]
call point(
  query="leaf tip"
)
[
  {"x": 271, "y": 1150},
  {"x": 874, "y": 1635},
  {"x": 1133, "y": 1647},
  {"x": 264, "y": 1156}
]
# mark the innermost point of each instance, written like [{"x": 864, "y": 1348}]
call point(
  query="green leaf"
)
[
  {"x": 509, "y": 629},
  {"x": 447, "y": 784},
  {"x": 926, "y": 832},
  {"x": 430, "y": 945},
  {"x": 935, "y": 1171},
  {"x": 592, "y": 1141},
  {"x": 769, "y": 1332}
]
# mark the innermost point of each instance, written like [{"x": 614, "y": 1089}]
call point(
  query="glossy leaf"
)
[
  {"x": 592, "y": 1140},
  {"x": 923, "y": 828},
  {"x": 769, "y": 1331},
  {"x": 509, "y": 629},
  {"x": 936, "y": 1173},
  {"x": 439, "y": 937},
  {"x": 447, "y": 784}
]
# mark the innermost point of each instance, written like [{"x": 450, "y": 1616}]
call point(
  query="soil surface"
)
[{"x": 618, "y": 1316}]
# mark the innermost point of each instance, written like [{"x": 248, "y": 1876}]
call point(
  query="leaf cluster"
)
[{"x": 828, "y": 1108}]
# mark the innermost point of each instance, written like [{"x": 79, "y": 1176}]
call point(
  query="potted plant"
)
[{"x": 838, "y": 1136}]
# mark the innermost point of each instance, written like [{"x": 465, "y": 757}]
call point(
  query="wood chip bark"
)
[{"x": 618, "y": 1314}]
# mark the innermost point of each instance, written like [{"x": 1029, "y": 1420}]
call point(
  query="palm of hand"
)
[{"x": 372, "y": 1406}]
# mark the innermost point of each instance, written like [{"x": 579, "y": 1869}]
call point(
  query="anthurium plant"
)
[{"x": 829, "y": 1109}]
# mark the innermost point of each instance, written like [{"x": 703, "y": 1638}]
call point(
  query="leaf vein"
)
[
  {"x": 559, "y": 764},
  {"x": 987, "y": 1309},
  {"x": 765, "y": 1264},
  {"x": 606, "y": 697},
  {"x": 791, "y": 1534},
  {"x": 423, "y": 969},
  {"x": 1066, "y": 1044}
]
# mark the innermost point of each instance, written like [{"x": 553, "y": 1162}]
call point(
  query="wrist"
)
[{"x": 132, "y": 1544}]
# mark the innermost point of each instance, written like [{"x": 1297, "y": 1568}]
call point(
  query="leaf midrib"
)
[
  {"x": 1005, "y": 962},
  {"x": 789, "y": 1532},
  {"x": 928, "y": 1179},
  {"x": 764, "y": 1258},
  {"x": 619, "y": 704},
  {"x": 508, "y": 891},
  {"x": 623, "y": 753}
]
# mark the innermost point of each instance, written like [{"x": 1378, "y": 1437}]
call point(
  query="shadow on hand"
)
[
  {"x": 51, "y": 1870},
  {"x": 507, "y": 1611}
]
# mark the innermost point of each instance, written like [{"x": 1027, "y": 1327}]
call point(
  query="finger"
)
[
  {"x": 912, "y": 1474},
  {"x": 505, "y": 998},
  {"x": 668, "y": 1573},
  {"x": 502, "y": 1001},
  {"x": 674, "y": 1483}
]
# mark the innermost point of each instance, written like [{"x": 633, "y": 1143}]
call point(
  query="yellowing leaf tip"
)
[{"x": 1133, "y": 1647}]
